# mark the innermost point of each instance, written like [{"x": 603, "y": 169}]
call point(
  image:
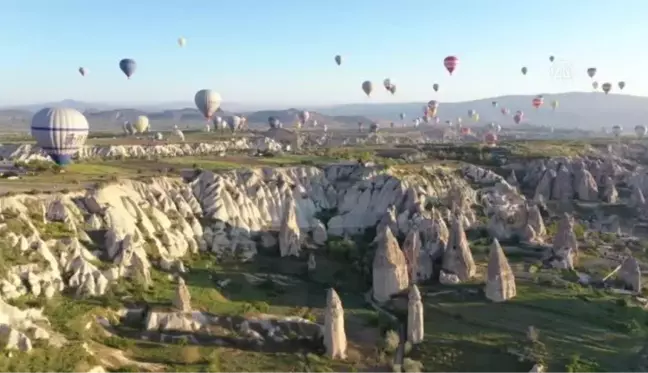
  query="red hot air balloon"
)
[
  {"x": 450, "y": 63},
  {"x": 537, "y": 102},
  {"x": 505, "y": 111},
  {"x": 518, "y": 117},
  {"x": 490, "y": 139},
  {"x": 465, "y": 130}
]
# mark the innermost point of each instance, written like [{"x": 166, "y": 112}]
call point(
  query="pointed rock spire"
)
[
  {"x": 500, "y": 280},
  {"x": 335, "y": 340}
]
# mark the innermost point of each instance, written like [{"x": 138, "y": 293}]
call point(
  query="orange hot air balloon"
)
[{"x": 537, "y": 102}]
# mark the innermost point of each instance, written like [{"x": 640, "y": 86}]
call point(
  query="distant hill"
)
[
  {"x": 576, "y": 109},
  {"x": 584, "y": 110}
]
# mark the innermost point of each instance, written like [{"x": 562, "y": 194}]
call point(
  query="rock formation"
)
[
  {"x": 335, "y": 339},
  {"x": 630, "y": 274},
  {"x": 289, "y": 234},
  {"x": 458, "y": 257},
  {"x": 609, "y": 192},
  {"x": 312, "y": 265},
  {"x": 412, "y": 249},
  {"x": 500, "y": 280},
  {"x": 182, "y": 297},
  {"x": 415, "y": 325},
  {"x": 390, "y": 275}
]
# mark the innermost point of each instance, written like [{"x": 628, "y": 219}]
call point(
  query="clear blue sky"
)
[{"x": 282, "y": 51}]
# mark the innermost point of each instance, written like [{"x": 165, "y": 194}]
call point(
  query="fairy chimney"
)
[
  {"x": 457, "y": 258},
  {"x": 335, "y": 340},
  {"x": 500, "y": 280},
  {"x": 289, "y": 235},
  {"x": 415, "y": 325},
  {"x": 390, "y": 274}
]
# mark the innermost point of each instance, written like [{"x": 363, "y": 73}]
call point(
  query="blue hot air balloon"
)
[
  {"x": 60, "y": 132},
  {"x": 128, "y": 66}
]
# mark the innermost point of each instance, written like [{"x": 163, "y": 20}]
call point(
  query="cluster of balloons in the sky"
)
[{"x": 61, "y": 131}]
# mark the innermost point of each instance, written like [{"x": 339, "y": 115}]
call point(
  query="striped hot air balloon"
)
[{"x": 60, "y": 132}]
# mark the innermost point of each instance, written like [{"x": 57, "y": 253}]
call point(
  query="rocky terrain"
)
[{"x": 530, "y": 266}]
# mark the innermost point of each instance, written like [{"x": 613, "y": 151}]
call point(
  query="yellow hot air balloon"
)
[
  {"x": 476, "y": 117},
  {"x": 141, "y": 123},
  {"x": 182, "y": 41}
]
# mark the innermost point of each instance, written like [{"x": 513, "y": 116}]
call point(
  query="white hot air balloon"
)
[
  {"x": 640, "y": 130},
  {"x": 60, "y": 132},
  {"x": 141, "y": 123},
  {"x": 207, "y": 102},
  {"x": 182, "y": 41},
  {"x": 158, "y": 136}
]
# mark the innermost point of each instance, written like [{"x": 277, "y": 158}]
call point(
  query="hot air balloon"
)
[
  {"x": 451, "y": 63},
  {"x": 537, "y": 102},
  {"x": 207, "y": 102},
  {"x": 494, "y": 127},
  {"x": 475, "y": 117},
  {"x": 128, "y": 66},
  {"x": 595, "y": 85},
  {"x": 402, "y": 116},
  {"x": 392, "y": 89},
  {"x": 373, "y": 128},
  {"x": 273, "y": 122},
  {"x": 551, "y": 58},
  {"x": 338, "y": 60},
  {"x": 182, "y": 41},
  {"x": 591, "y": 72},
  {"x": 621, "y": 85},
  {"x": 417, "y": 122},
  {"x": 218, "y": 122},
  {"x": 518, "y": 117},
  {"x": 505, "y": 111},
  {"x": 314, "y": 123},
  {"x": 82, "y": 71},
  {"x": 494, "y": 103},
  {"x": 234, "y": 122},
  {"x": 432, "y": 108},
  {"x": 387, "y": 83},
  {"x": 464, "y": 131},
  {"x": 60, "y": 132},
  {"x": 435, "y": 86},
  {"x": 554, "y": 104},
  {"x": 303, "y": 117},
  {"x": 325, "y": 128},
  {"x": 128, "y": 126},
  {"x": 607, "y": 87},
  {"x": 367, "y": 87},
  {"x": 208, "y": 127},
  {"x": 524, "y": 70},
  {"x": 640, "y": 131},
  {"x": 490, "y": 139},
  {"x": 158, "y": 136},
  {"x": 471, "y": 112},
  {"x": 617, "y": 130},
  {"x": 141, "y": 123},
  {"x": 448, "y": 123},
  {"x": 459, "y": 120}
]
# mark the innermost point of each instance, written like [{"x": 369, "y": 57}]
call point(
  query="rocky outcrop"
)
[
  {"x": 458, "y": 258},
  {"x": 630, "y": 274},
  {"x": 415, "y": 324},
  {"x": 500, "y": 280},
  {"x": 412, "y": 251},
  {"x": 182, "y": 298},
  {"x": 29, "y": 152},
  {"x": 335, "y": 340},
  {"x": 390, "y": 272},
  {"x": 289, "y": 234}
]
